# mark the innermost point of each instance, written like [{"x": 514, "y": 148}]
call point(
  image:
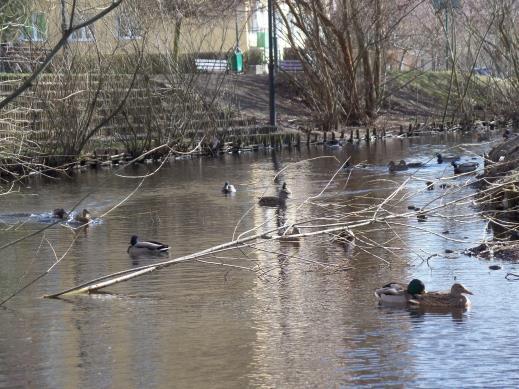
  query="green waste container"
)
[
  {"x": 237, "y": 61},
  {"x": 261, "y": 39}
]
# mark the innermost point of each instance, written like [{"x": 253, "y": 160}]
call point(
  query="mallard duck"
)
[
  {"x": 228, "y": 188},
  {"x": 83, "y": 217},
  {"x": 447, "y": 158},
  {"x": 455, "y": 298},
  {"x": 430, "y": 185},
  {"x": 344, "y": 237},
  {"x": 464, "y": 167},
  {"x": 149, "y": 247},
  {"x": 273, "y": 201},
  {"x": 286, "y": 236},
  {"x": 421, "y": 214},
  {"x": 59, "y": 213},
  {"x": 397, "y": 293},
  {"x": 393, "y": 167}
]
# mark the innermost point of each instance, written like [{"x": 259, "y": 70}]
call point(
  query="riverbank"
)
[
  {"x": 221, "y": 113},
  {"x": 499, "y": 198},
  {"x": 411, "y": 98}
]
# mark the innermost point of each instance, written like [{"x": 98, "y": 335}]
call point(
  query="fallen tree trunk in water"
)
[{"x": 125, "y": 275}]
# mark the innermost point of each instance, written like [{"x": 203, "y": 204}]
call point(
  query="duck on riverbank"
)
[
  {"x": 274, "y": 201},
  {"x": 454, "y": 299},
  {"x": 397, "y": 293}
]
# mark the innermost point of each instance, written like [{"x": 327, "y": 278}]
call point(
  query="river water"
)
[{"x": 312, "y": 321}]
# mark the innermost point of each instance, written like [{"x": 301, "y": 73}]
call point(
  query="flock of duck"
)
[
  {"x": 154, "y": 248},
  {"x": 459, "y": 167},
  {"x": 265, "y": 201},
  {"x": 83, "y": 217},
  {"x": 414, "y": 294},
  {"x": 149, "y": 247}
]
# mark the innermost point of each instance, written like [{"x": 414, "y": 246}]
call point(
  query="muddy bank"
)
[{"x": 499, "y": 198}]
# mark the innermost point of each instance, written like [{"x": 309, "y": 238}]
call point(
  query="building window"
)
[
  {"x": 36, "y": 29},
  {"x": 84, "y": 34},
  {"x": 127, "y": 27},
  {"x": 259, "y": 17}
]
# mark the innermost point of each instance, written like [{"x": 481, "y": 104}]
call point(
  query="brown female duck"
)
[{"x": 454, "y": 299}]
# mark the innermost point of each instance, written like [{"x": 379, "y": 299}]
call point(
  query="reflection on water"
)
[{"x": 306, "y": 324}]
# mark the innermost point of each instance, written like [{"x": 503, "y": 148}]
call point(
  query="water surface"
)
[{"x": 198, "y": 325}]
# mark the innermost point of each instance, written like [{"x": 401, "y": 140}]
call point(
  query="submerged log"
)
[{"x": 125, "y": 275}]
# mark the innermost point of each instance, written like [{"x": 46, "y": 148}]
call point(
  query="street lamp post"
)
[{"x": 272, "y": 95}]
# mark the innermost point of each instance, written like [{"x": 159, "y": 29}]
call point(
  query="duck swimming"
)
[
  {"x": 83, "y": 217},
  {"x": 464, "y": 167},
  {"x": 59, "y": 213},
  {"x": 447, "y": 158},
  {"x": 454, "y": 299},
  {"x": 403, "y": 165},
  {"x": 228, "y": 188},
  {"x": 273, "y": 201},
  {"x": 149, "y": 247},
  {"x": 393, "y": 167},
  {"x": 397, "y": 293},
  {"x": 286, "y": 235}
]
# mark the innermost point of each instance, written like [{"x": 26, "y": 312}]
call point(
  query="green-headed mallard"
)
[
  {"x": 397, "y": 293},
  {"x": 149, "y": 247},
  {"x": 83, "y": 217},
  {"x": 228, "y": 188},
  {"x": 455, "y": 298},
  {"x": 446, "y": 158},
  {"x": 464, "y": 167},
  {"x": 274, "y": 201}
]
